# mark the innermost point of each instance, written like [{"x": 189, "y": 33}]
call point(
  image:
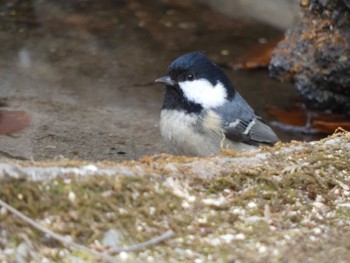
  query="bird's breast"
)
[
  {"x": 211, "y": 122},
  {"x": 190, "y": 133},
  {"x": 177, "y": 125}
]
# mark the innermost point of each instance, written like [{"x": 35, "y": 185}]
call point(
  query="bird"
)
[{"x": 203, "y": 113}]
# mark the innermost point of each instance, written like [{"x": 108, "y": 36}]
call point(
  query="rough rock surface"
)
[
  {"x": 288, "y": 203},
  {"x": 315, "y": 55}
]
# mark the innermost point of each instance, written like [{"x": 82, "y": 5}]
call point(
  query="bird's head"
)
[{"x": 199, "y": 80}]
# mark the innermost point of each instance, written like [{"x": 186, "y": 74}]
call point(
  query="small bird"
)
[{"x": 203, "y": 113}]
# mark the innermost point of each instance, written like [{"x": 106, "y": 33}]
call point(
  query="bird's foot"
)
[{"x": 307, "y": 129}]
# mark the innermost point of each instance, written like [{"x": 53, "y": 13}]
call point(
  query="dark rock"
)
[{"x": 315, "y": 55}]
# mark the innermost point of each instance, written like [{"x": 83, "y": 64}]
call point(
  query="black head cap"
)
[{"x": 196, "y": 65}]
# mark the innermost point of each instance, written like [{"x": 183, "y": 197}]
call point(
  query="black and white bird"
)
[{"x": 203, "y": 113}]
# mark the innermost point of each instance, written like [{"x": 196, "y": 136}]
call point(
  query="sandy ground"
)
[{"x": 84, "y": 71}]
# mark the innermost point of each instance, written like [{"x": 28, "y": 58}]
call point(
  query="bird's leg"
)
[
  {"x": 308, "y": 124},
  {"x": 306, "y": 129}
]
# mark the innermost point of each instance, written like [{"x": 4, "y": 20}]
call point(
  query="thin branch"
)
[
  {"x": 54, "y": 235},
  {"x": 139, "y": 246},
  {"x": 104, "y": 255}
]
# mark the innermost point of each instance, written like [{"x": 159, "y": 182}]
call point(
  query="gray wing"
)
[
  {"x": 240, "y": 123},
  {"x": 253, "y": 132}
]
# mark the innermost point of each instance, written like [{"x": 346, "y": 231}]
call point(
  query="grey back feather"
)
[
  {"x": 242, "y": 125},
  {"x": 262, "y": 133}
]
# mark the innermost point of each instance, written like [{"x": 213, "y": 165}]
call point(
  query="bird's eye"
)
[{"x": 190, "y": 77}]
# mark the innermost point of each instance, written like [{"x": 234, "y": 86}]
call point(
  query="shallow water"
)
[{"x": 83, "y": 71}]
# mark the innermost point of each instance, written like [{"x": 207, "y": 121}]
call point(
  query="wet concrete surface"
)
[{"x": 83, "y": 72}]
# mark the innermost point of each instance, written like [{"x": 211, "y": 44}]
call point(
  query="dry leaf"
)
[
  {"x": 256, "y": 57},
  {"x": 322, "y": 122},
  {"x": 13, "y": 121}
]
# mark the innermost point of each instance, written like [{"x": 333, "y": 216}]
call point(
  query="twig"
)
[
  {"x": 54, "y": 235},
  {"x": 11, "y": 156},
  {"x": 104, "y": 255},
  {"x": 151, "y": 242}
]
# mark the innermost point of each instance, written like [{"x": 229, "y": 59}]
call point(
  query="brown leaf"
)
[
  {"x": 330, "y": 127},
  {"x": 257, "y": 56},
  {"x": 3, "y": 103},
  {"x": 13, "y": 121},
  {"x": 77, "y": 20},
  {"x": 322, "y": 122},
  {"x": 294, "y": 116}
]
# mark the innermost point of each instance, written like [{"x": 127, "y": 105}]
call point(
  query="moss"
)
[
  {"x": 100, "y": 204},
  {"x": 254, "y": 213}
]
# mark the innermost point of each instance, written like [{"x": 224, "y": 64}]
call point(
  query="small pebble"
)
[
  {"x": 3, "y": 211},
  {"x": 225, "y": 52},
  {"x": 317, "y": 231},
  {"x": 240, "y": 236},
  {"x": 45, "y": 260},
  {"x": 123, "y": 255},
  {"x": 251, "y": 205},
  {"x": 262, "y": 40},
  {"x": 152, "y": 210},
  {"x": 71, "y": 197},
  {"x": 262, "y": 249},
  {"x": 185, "y": 204},
  {"x": 111, "y": 238}
]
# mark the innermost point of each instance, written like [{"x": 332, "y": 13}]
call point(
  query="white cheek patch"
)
[{"x": 204, "y": 93}]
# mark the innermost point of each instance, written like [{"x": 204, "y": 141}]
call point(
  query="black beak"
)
[{"x": 166, "y": 80}]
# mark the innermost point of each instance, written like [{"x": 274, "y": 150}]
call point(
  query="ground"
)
[
  {"x": 289, "y": 203},
  {"x": 83, "y": 73}
]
